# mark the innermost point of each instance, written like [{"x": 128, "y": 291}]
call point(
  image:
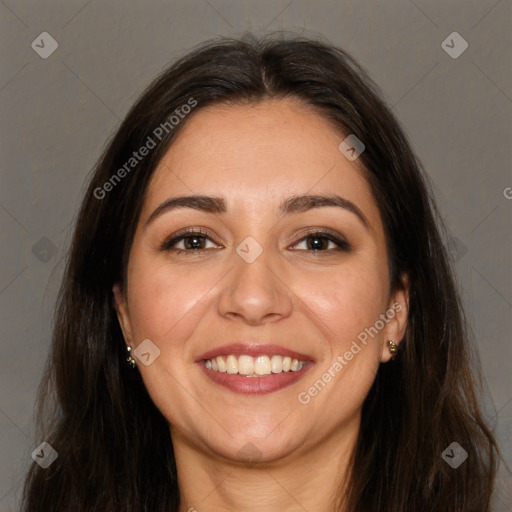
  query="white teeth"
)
[
  {"x": 221, "y": 364},
  {"x": 276, "y": 364},
  {"x": 254, "y": 366},
  {"x": 231, "y": 364},
  {"x": 262, "y": 365},
  {"x": 245, "y": 365}
]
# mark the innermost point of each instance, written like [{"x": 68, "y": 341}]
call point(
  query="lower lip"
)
[{"x": 255, "y": 385}]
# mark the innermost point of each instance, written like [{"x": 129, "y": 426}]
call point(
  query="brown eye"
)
[
  {"x": 188, "y": 241},
  {"x": 321, "y": 241}
]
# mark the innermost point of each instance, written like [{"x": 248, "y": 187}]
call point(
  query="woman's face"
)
[{"x": 257, "y": 286}]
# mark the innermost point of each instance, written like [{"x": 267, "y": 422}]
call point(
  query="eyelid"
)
[
  {"x": 328, "y": 233},
  {"x": 183, "y": 233}
]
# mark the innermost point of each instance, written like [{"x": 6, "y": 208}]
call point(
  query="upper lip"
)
[{"x": 253, "y": 349}]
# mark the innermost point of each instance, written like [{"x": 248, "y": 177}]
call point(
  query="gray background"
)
[{"x": 57, "y": 113}]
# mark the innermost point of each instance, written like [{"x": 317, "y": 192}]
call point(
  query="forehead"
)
[{"x": 257, "y": 154}]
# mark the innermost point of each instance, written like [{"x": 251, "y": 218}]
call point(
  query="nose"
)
[{"x": 254, "y": 292}]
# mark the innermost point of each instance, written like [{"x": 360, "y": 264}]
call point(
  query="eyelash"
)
[{"x": 325, "y": 234}]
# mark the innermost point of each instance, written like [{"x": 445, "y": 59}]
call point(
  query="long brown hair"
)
[{"x": 114, "y": 446}]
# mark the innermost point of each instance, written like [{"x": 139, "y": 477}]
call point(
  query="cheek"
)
[
  {"x": 344, "y": 304},
  {"x": 166, "y": 306},
  {"x": 166, "y": 302},
  {"x": 346, "y": 300}
]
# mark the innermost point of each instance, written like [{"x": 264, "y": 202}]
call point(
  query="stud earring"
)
[
  {"x": 129, "y": 359},
  {"x": 393, "y": 348}
]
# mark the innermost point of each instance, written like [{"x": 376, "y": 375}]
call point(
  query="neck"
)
[{"x": 303, "y": 480}]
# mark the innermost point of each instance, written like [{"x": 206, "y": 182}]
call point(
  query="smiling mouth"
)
[
  {"x": 258, "y": 366},
  {"x": 253, "y": 368}
]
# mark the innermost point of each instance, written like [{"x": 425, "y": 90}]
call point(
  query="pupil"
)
[
  {"x": 194, "y": 242},
  {"x": 316, "y": 243}
]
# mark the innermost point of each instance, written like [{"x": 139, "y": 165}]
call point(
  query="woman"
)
[{"x": 258, "y": 312}]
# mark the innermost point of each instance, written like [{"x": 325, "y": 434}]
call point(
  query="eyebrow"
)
[{"x": 293, "y": 204}]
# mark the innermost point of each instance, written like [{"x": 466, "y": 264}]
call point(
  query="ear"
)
[
  {"x": 122, "y": 313},
  {"x": 397, "y": 314}
]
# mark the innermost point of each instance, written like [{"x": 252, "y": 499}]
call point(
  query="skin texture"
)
[{"x": 317, "y": 303}]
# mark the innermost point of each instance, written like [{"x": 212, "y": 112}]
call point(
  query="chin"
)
[{"x": 257, "y": 445}]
